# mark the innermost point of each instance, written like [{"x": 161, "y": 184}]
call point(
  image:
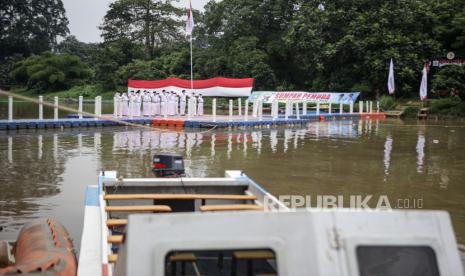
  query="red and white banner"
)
[{"x": 216, "y": 87}]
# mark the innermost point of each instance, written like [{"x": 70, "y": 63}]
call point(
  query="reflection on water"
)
[
  {"x": 420, "y": 151},
  {"x": 387, "y": 155},
  {"x": 45, "y": 172}
]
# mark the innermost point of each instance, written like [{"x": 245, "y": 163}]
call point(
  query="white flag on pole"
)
[
  {"x": 190, "y": 20},
  {"x": 424, "y": 83},
  {"x": 391, "y": 84}
]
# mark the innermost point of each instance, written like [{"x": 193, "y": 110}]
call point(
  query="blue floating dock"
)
[
  {"x": 50, "y": 123},
  {"x": 205, "y": 121}
]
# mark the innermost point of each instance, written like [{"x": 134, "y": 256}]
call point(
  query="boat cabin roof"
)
[{"x": 322, "y": 242}]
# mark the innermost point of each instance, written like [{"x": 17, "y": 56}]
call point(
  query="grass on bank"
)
[
  {"x": 88, "y": 91},
  {"x": 451, "y": 107}
]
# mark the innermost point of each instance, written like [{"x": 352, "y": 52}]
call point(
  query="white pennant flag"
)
[
  {"x": 424, "y": 83},
  {"x": 190, "y": 20},
  {"x": 391, "y": 84}
]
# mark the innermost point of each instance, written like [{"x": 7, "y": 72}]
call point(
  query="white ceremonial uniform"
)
[
  {"x": 168, "y": 104},
  {"x": 157, "y": 104},
  {"x": 163, "y": 104},
  {"x": 120, "y": 106},
  {"x": 124, "y": 105},
  {"x": 171, "y": 105},
  {"x": 147, "y": 104},
  {"x": 182, "y": 104},
  {"x": 138, "y": 105},
  {"x": 194, "y": 105},
  {"x": 132, "y": 105},
  {"x": 200, "y": 106},
  {"x": 153, "y": 105},
  {"x": 176, "y": 104}
]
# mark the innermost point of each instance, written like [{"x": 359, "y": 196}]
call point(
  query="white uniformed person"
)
[
  {"x": 200, "y": 105},
  {"x": 182, "y": 103}
]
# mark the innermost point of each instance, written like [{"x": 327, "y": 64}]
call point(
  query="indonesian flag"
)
[
  {"x": 424, "y": 83},
  {"x": 190, "y": 20},
  {"x": 391, "y": 84}
]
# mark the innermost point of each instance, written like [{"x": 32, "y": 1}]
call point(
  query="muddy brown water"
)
[{"x": 45, "y": 172}]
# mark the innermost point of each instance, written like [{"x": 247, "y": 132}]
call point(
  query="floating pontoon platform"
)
[{"x": 204, "y": 121}]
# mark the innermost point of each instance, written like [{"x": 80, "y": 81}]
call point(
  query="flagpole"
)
[
  {"x": 192, "y": 71},
  {"x": 189, "y": 30}
]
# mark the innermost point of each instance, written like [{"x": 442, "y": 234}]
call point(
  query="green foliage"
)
[
  {"x": 365, "y": 88},
  {"x": 283, "y": 44},
  {"x": 452, "y": 107},
  {"x": 449, "y": 80},
  {"x": 71, "y": 46},
  {"x": 87, "y": 91},
  {"x": 50, "y": 72},
  {"x": 6, "y": 66},
  {"x": 30, "y": 27},
  {"x": 387, "y": 103},
  {"x": 175, "y": 63},
  {"x": 450, "y": 19},
  {"x": 139, "y": 70},
  {"x": 350, "y": 42},
  {"x": 411, "y": 112},
  {"x": 151, "y": 22},
  {"x": 245, "y": 39},
  {"x": 247, "y": 59},
  {"x": 110, "y": 57}
]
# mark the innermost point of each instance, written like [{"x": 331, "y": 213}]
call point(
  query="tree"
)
[
  {"x": 347, "y": 45},
  {"x": 151, "y": 22},
  {"x": 247, "y": 59},
  {"x": 72, "y": 46},
  {"x": 30, "y": 26},
  {"x": 449, "y": 79},
  {"x": 140, "y": 70},
  {"x": 245, "y": 38},
  {"x": 110, "y": 57},
  {"x": 450, "y": 19},
  {"x": 457, "y": 24},
  {"x": 50, "y": 72},
  {"x": 305, "y": 38}
]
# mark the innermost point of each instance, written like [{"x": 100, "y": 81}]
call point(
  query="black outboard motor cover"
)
[{"x": 168, "y": 165}]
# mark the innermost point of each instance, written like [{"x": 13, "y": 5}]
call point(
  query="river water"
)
[{"x": 45, "y": 172}]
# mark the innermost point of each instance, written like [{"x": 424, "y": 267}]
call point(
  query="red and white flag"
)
[
  {"x": 391, "y": 84},
  {"x": 424, "y": 83},
  {"x": 190, "y": 20}
]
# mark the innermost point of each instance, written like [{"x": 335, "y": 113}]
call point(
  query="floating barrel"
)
[{"x": 43, "y": 246}]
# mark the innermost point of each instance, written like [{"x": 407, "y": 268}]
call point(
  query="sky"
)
[{"x": 86, "y": 15}]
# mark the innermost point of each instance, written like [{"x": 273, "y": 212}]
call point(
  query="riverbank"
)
[
  {"x": 436, "y": 109},
  {"x": 89, "y": 92}
]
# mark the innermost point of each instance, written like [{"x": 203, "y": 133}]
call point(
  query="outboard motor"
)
[{"x": 168, "y": 165}]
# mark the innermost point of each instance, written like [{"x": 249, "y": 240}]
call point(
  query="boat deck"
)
[{"x": 120, "y": 198}]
